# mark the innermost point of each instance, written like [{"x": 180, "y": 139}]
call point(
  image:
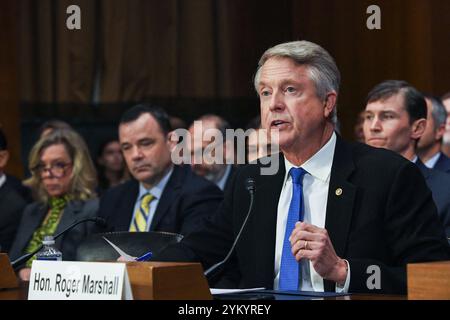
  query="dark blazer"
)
[
  {"x": 186, "y": 199},
  {"x": 443, "y": 163},
  {"x": 230, "y": 177},
  {"x": 385, "y": 216},
  {"x": 11, "y": 208},
  {"x": 35, "y": 213},
  {"x": 439, "y": 184},
  {"x": 23, "y": 191}
]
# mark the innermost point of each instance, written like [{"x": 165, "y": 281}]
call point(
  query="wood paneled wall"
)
[
  {"x": 9, "y": 90},
  {"x": 207, "y": 49}
]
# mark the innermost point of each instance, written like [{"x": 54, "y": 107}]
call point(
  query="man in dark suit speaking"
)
[
  {"x": 361, "y": 208},
  {"x": 163, "y": 196}
]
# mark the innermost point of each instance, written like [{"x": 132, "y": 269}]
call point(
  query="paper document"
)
[
  {"x": 125, "y": 256},
  {"x": 225, "y": 291}
]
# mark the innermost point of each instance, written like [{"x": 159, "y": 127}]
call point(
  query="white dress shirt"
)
[
  {"x": 315, "y": 196},
  {"x": 432, "y": 161},
  {"x": 156, "y": 191},
  {"x": 2, "y": 179}
]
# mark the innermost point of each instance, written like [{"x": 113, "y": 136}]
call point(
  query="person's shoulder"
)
[
  {"x": 444, "y": 157},
  {"x": 376, "y": 157},
  {"x": 440, "y": 178},
  {"x": 12, "y": 196},
  {"x": 444, "y": 161},
  {"x": 16, "y": 184},
  {"x": 33, "y": 207},
  {"x": 120, "y": 189},
  {"x": 192, "y": 182},
  {"x": 91, "y": 204},
  {"x": 13, "y": 181}
]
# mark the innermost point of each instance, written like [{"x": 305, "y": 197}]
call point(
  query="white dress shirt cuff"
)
[{"x": 344, "y": 289}]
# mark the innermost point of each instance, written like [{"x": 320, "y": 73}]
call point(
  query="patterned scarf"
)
[{"x": 48, "y": 227}]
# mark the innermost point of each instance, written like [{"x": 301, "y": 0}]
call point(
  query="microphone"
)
[
  {"x": 214, "y": 270},
  {"x": 100, "y": 222}
]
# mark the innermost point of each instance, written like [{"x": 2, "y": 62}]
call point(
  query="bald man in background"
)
[{"x": 218, "y": 173}]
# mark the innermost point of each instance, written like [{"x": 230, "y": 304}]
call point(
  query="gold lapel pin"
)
[{"x": 338, "y": 191}]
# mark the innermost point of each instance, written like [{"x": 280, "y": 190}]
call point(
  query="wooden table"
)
[{"x": 21, "y": 293}]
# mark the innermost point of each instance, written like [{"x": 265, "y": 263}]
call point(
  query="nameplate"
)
[{"x": 66, "y": 280}]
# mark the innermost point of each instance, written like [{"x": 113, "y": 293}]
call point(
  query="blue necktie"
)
[{"x": 289, "y": 268}]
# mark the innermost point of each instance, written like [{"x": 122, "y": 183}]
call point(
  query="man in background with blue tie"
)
[
  {"x": 162, "y": 196},
  {"x": 332, "y": 212}
]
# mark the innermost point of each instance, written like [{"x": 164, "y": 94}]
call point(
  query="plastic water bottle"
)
[{"x": 48, "y": 251}]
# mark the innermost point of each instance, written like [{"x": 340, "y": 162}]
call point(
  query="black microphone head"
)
[
  {"x": 100, "y": 222},
  {"x": 250, "y": 185}
]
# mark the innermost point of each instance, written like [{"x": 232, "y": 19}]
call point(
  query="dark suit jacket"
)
[
  {"x": 35, "y": 213},
  {"x": 385, "y": 216},
  {"x": 443, "y": 163},
  {"x": 17, "y": 185},
  {"x": 186, "y": 200},
  {"x": 11, "y": 208},
  {"x": 439, "y": 184},
  {"x": 230, "y": 177}
]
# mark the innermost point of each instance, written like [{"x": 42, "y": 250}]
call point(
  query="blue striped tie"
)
[{"x": 289, "y": 268}]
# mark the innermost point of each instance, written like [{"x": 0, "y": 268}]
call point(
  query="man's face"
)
[
  {"x": 210, "y": 171},
  {"x": 446, "y": 138},
  {"x": 146, "y": 149},
  {"x": 259, "y": 145},
  {"x": 429, "y": 137},
  {"x": 386, "y": 124},
  {"x": 289, "y": 103},
  {"x": 112, "y": 158}
]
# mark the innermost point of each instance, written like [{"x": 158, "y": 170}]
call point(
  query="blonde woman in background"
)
[{"x": 63, "y": 181}]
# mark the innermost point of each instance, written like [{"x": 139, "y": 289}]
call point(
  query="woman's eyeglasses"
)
[{"x": 57, "y": 169}]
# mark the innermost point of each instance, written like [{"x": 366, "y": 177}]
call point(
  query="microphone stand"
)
[{"x": 213, "y": 271}]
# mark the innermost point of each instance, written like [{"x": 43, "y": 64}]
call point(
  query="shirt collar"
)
[
  {"x": 221, "y": 183},
  {"x": 2, "y": 179},
  {"x": 432, "y": 161},
  {"x": 158, "y": 189},
  {"x": 319, "y": 165},
  {"x": 414, "y": 159}
]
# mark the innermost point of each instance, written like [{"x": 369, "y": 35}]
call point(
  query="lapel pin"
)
[{"x": 338, "y": 192}]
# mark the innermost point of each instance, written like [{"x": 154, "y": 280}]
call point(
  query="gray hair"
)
[
  {"x": 438, "y": 111},
  {"x": 321, "y": 66}
]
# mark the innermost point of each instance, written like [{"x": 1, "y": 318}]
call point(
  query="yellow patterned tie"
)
[{"x": 141, "y": 215}]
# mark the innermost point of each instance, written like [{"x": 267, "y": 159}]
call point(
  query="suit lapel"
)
[
  {"x": 169, "y": 194},
  {"x": 230, "y": 176},
  {"x": 425, "y": 170},
  {"x": 69, "y": 216},
  {"x": 125, "y": 209},
  {"x": 341, "y": 197},
  {"x": 4, "y": 193},
  {"x": 443, "y": 163},
  {"x": 34, "y": 221},
  {"x": 263, "y": 231}
]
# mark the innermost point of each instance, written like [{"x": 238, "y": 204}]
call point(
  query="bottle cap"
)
[{"x": 48, "y": 240}]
